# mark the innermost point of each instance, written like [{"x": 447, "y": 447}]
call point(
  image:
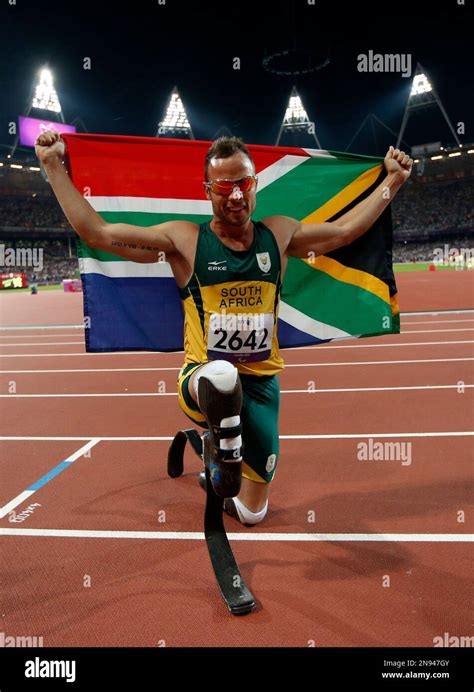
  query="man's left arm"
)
[{"x": 321, "y": 238}]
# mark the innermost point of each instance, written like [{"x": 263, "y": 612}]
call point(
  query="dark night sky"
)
[{"x": 141, "y": 49}]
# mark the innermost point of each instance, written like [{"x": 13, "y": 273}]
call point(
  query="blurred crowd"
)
[
  {"x": 422, "y": 209},
  {"x": 406, "y": 251},
  {"x": 32, "y": 212}
]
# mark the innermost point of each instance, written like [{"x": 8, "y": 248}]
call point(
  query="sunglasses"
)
[{"x": 222, "y": 186}]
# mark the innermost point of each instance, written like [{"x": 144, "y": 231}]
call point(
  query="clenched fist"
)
[
  {"x": 399, "y": 163},
  {"x": 50, "y": 146}
]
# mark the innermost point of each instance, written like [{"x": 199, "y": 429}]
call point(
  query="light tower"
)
[
  {"x": 175, "y": 122},
  {"x": 43, "y": 97},
  {"x": 296, "y": 119},
  {"x": 423, "y": 95}
]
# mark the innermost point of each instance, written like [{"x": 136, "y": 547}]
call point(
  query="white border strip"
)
[
  {"x": 312, "y": 392},
  {"x": 288, "y": 365},
  {"x": 151, "y": 205},
  {"x": 167, "y": 438},
  {"x": 288, "y": 537},
  {"x": 126, "y": 269}
]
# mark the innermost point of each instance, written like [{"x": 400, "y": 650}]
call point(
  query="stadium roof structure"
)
[
  {"x": 423, "y": 95},
  {"x": 296, "y": 118},
  {"x": 372, "y": 121},
  {"x": 175, "y": 121}
]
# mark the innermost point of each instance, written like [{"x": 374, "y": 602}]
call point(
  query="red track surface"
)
[{"x": 145, "y": 590}]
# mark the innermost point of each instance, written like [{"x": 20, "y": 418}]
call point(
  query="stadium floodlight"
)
[
  {"x": 423, "y": 95},
  {"x": 435, "y": 158},
  {"x": 34, "y": 168},
  {"x": 175, "y": 120},
  {"x": 420, "y": 85},
  {"x": 45, "y": 96},
  {"x": 455, "y": 153},
  {"x": 470, "y": 151},
  {"x": 296, "y": 118}
]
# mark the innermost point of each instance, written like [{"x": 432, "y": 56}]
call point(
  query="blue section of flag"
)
[
  {"x": 45, "y": 479},
  {"x": 145, "y": 314},
  {"x": 289, "y": 336},
  {"x": 132, "y": 314}
]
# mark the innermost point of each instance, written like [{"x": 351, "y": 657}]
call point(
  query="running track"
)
[{"x": 352, "y": 553}]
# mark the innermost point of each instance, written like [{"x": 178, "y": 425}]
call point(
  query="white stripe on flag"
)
[
  {"x": 307, "y": 324},
  {"x": 126, "y": 269},
  {"x": 319, "y": 153},
  {"x": 278, "y": 169},
  {"x": 151, "y": 205}
]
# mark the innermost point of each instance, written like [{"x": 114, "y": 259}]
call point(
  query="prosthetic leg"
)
[
  {"x": 220, "y": 397},
  {"x": 238, "y": 599}
]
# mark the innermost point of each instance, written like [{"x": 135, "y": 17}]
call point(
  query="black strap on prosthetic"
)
[
  {"x": 238, "y": 599},
  {"x": 225, "y": 466}
]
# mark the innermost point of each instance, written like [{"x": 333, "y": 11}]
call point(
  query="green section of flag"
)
[
  {"x": 342, "y": 305},
  {"x": 310, "y": 185}
]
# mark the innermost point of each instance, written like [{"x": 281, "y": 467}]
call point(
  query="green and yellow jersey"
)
[{"x": 231, "y": 303}]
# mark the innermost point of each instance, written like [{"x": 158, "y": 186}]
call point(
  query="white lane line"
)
[
  {"x": 286, "y": 350},
  {"x": 287, "y": 365},
  {"x": 37, "y": 336},
  {"x": 78, "y": 343},
  {"x": 19, "y": 499},
  {"x": 404, "y": 321},
  {"x": 431, "y": 331},
  {"x": 47, "y": 343},
  {"x": 41, "y": 326},
  {"x": 327, "y": 347},
  {"x": 436, "y": 313},
  {"x": 250, "y": 536},
  {"x": 283, "y": 391},
  {"x": 410, "y": 322},
  {"x": 166, "y": 438},
  {"x": 439, "y": 313}
]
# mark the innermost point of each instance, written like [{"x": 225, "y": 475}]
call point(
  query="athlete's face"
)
[{"x": 235, "y": 208}]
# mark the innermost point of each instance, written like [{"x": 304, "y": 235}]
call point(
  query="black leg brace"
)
[{"x": 225, "y": 465}]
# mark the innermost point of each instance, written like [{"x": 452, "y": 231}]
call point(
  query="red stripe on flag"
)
[{"x": 111, "y": 165}]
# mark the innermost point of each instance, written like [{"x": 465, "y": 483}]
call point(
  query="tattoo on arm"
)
[{"x": 134, "y": 246}]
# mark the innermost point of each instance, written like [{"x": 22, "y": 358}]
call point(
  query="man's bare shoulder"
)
[{"x": 281, "y": 224}]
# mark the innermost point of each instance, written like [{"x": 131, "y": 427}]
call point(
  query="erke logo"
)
[
  {"x": 263, "y": 259},
  {"x": 215, "y": 266}
]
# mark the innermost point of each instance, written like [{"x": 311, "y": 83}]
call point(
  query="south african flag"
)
[{"x": 350, "y": 292}]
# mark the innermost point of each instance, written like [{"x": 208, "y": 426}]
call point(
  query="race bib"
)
[{"x": 240, "y": 338}]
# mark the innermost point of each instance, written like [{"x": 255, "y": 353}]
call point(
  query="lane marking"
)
[
  {"x": 250, "y": 536},
  {"x": 19, "y": 499},
  {"x": 283, "y": 391},
  {"x": 439, "y": 313},
  {"x": 283, "y": 350},
  {"x": 327, "y": 347},
  {"x": 287, "y": 365},
  {"x": 409, "y": 322},
  {"x": 41, "y": 326},
  {"x": 167, "y": 438},
  {"x": 78, "y": 343}
]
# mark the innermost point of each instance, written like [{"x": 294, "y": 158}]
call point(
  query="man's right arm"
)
[{"x": 136, "y": 243}]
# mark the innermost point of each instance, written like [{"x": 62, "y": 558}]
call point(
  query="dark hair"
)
[{"x": 224, "y": 147}]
